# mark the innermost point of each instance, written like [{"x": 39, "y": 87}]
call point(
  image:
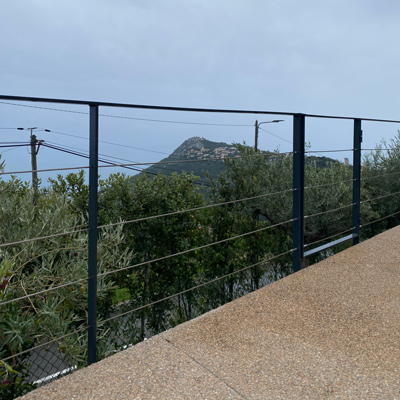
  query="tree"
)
[
  {"x": 154, "y": 238},
  {"x": 39, "y": 266},
  {"x": 380, "y": 176},
  {"x": 328, "y": 194}
]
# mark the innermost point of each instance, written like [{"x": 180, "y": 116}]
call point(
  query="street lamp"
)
[{"x": 257, "y": 124}]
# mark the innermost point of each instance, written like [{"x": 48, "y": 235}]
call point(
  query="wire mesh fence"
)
[{"x": 91, "y": 268}]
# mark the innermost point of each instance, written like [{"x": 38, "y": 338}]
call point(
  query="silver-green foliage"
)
[{"x": 56, "y": 316}]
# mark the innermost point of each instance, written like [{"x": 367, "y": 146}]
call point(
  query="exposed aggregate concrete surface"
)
[{"x": 330, "y": 331}]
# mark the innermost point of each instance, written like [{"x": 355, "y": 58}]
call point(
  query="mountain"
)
[{"x": 190, "y": 156}]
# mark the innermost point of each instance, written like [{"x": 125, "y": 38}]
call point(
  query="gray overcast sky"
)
[{"x": 324, "y": 57}]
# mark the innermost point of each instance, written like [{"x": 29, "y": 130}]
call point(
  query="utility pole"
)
[
  {"x": 257, "y": 125},
  {"x": 256, "y": 138},
  {"x": 34, "y": 152}
]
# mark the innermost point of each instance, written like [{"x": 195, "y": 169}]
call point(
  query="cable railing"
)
[
  {"x": 195, "y": 209},
  {"x": 201, "y": 285},
  {"x": 329, "y": 237},
  {"x": 211, "y": 251},
  {"x": 364, "y": 178},
  {"x": 328, "y": 184},
  {"x": 380, "y": 197},
  {"x": 55, "y": 340},
  {"x": 29, "y": 171},
  {"x": 380, "y": 219},
  {"x": 329, "y": 211},
  {"x": 194, "y": 249},
  {"x": 54, "y": 235},
  {"x": 42, "y": 292}
]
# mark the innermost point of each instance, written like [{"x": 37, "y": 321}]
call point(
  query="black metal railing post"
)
[
  {"x": 356, "y": 220},
  {"x": 298, "y": 189},
  {"x": 92, "y": 248}
]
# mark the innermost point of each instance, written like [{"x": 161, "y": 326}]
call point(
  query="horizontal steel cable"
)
[
  {"x": 194, "y": 209},
  {"x": 380, "y": 219},
  {"x": 141, "y": 219},
  {"x": 327, "y": 151},
  {"x": 138, "y": 164},
  {"x": 198, "y": 286},
  {"x": 2, "y": 303},
  {"x": 43, "y": 170},
  {"x": 194, "y": 249},
  {"x": 376, "y": 149},
  {"x": 14, "y": 145},
  {"x": 379, "y": 198},
  {"x": 329, "y": 211},
  {"x": 329, "y": 237},
  {"x": 198, "y": 160},
  {"x": 43, "y": 237},
  {"x": 329, "y": 184},
  {"x": 379, "y": 176},
  {"x": 144, "y": 218},
  {"x": 44, "y": 344}
]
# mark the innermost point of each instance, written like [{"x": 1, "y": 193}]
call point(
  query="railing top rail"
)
[
  {"x": 139, "y": 106},
  {"x": 171, "y": 108},
  {"x": 352, "y": 118}
]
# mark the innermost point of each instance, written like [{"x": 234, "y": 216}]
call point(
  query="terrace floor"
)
[{"x": 330, "y": 331}]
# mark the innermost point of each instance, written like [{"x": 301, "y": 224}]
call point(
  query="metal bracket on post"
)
[
  {"x": 92, "y": 250},
  {"x": 356, "y": 219},
  {"x": 298, "y": 189}
]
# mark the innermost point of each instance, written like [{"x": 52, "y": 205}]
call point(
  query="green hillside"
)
[
  {"x": 191, "y": 156},
  {"x": 201, "y": 156}
]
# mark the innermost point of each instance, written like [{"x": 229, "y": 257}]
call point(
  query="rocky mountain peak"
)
[{"x": 199, "y": 147}]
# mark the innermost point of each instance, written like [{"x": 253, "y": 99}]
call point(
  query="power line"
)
[
  {"x": 123, "y": 159},
  {"x": 273, "y": 134},
  {"x": 112, "y": 164},
  {"x": 44, "y": 170},
  {"x": 14, "y": 145},
  {"x": 112, "y": 143},
  {"x": 64, "y": 150},
  {"x": 5, "y": 151},
  {"x": 132, "y": 118},
  {"x": 101, "y": 141},
  {"x": 280, "y": 137},
  {"x": 86, "y": 152},
  {"x": 13, "y": 142}
]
